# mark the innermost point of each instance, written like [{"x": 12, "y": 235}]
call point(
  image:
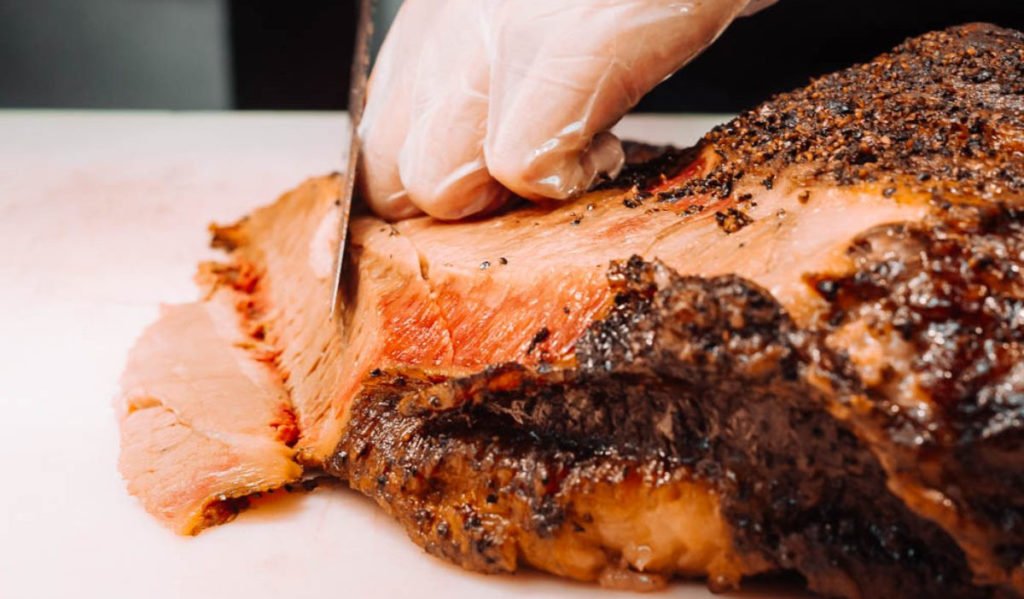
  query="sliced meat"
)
[
  {"x": 204, "y": 423},
  {"x": 522, "y": 286},
  {"x": 812, "y": 365},
  {"x": 283, "y": 272}
]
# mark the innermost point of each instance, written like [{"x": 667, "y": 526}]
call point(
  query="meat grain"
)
[{"x": 204, "y": 419}]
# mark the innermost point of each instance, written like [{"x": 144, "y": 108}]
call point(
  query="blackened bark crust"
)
[{"x": 691, "y": 377}]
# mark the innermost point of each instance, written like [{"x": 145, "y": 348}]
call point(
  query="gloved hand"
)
[{"x": 472, "y": 100}]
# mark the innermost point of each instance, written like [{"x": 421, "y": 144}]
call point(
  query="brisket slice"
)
[{"x": 204, "y": 419}]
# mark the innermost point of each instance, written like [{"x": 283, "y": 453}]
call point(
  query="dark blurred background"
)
[{"x": 257, "y": 54}]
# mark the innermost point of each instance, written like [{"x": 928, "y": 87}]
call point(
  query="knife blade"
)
[{"x": 356, "y": 100}]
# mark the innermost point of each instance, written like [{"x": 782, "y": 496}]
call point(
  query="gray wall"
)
[{"x": 115, "y": 53}]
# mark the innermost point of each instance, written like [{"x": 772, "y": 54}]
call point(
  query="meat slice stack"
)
[{"x": 794, "y": 347}]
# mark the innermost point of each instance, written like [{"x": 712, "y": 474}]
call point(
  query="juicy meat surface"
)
[
  {"x": 204, "y": 423},
  {"x": 811, "y": 362},
  {"x": 465, "y": 295}
]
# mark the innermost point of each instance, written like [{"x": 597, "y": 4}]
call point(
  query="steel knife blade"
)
[{"x": 356, "y": 100}]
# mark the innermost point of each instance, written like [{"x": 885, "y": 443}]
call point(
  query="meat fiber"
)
[
  {"x": 204, "y": 421},
  {"x": 794, "y": 347}
]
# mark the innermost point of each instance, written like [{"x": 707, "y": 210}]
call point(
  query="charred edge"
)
[
  {"x": 939, "y": 113},
  {"x": 228, "y": 237},
  {"x": 951, "y": 291},
  {"x": 224, "y": 509},
  {"x": 539, "y": 337},
  {"x": 732, "y": 220},
  {"x": 686, "y": 375},
  {"x": 647, "y": 166},
  {"x": 466, "y": 485},
  {"x": 798, "y": 486}
]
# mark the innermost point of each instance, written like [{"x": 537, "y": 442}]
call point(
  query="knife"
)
[{"x": 356, "y": 100}]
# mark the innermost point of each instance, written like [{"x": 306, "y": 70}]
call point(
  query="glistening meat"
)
[{"x": 795, "y": 346}]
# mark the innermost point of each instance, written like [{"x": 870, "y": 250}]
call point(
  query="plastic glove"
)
[{"x": 473, "y": 100}]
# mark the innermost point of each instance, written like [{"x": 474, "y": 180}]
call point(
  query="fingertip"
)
[
  {"x": 380, "y": 183},
  {"x": 394, "y": 206},
  {"x": 604, "y": 158},
  {"x": 387, "y": 114},
  {"x": 557, "y": 172},
  {"x": 467, "y": 191}
]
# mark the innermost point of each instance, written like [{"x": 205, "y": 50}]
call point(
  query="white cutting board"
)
[{"x": 102, "y": 218}]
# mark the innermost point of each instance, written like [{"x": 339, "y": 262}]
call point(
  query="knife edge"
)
[{"x": 356, "y": 101}]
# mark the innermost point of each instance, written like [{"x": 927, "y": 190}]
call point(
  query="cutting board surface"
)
[{"x": 103, "y": 218}]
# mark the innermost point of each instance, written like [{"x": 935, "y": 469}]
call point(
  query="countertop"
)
[{"x": 102, "y": 218}]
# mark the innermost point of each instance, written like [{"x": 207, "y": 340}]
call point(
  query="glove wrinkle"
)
[{"x": 472, "y": 101}]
